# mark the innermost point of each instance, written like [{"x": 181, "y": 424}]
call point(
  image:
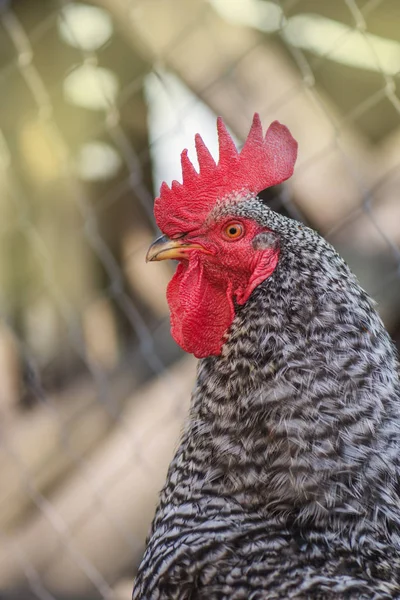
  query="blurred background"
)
[{"x": 97, "y": 101}]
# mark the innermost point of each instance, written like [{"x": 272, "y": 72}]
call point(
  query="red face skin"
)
[{"x": 201, "y": 294}]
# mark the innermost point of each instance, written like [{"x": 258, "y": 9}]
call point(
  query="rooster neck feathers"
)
[{"x": 303, "y": 403}]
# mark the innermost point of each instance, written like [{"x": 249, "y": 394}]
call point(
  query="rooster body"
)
[{"x": 286, "y": 484}]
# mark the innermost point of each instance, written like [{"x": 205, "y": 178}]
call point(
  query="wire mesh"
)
[{"x": 95, "y": 99}]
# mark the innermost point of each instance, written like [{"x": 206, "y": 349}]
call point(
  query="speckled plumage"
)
[{"x": 286, "y": 482}]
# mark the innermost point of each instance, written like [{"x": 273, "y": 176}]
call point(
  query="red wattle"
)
[{"x": 201, "y": 309}]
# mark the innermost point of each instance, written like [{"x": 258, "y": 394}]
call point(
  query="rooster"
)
[{"x": 286, "y": 481}]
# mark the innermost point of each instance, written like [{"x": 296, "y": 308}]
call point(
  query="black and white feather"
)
[{"x": 286, "y": 484}]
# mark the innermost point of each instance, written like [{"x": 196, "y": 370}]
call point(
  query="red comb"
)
[{"x": 262, "y": 162}]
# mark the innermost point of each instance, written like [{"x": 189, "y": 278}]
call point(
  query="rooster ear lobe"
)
[{"x": 266, "y": 240}]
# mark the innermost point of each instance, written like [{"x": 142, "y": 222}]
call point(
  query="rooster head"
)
[{"x": 223, "y": 255}]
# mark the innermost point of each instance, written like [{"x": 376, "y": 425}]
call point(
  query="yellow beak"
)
[{"x": 163, "y": 248}]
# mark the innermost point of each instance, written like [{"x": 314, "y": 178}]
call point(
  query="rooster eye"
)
[{"x": 233, "y": 231}]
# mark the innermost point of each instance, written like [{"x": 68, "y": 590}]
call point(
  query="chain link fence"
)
[{"x": 97, "y": 101}]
